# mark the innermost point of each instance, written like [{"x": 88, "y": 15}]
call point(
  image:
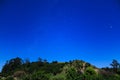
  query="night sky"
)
[{"x": 60, "y": 30}]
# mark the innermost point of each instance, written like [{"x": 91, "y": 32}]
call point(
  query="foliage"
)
[
  {"x": 90, "y": 73},
  {"x": 72, "y": 74},
  {"x": 19, "y": 69},
  {"x": 9, "y": 78},
  {"x": 19, "y": 74},
  {"x": 40, "y": 75},
  {"x": 11, "y": 66},
  {"x": 115, "y": 65},
  {"x": 60, "y": 76}
]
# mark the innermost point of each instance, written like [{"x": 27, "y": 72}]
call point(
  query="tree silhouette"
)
[
  {"x": 115, "y": 65},
  {"x": 11, "y": 65}
]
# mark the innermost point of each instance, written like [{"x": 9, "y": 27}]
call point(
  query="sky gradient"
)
[{"x": 60, "y": 30}]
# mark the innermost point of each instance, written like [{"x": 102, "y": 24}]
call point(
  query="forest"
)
[{"x": 19, "y": 69}]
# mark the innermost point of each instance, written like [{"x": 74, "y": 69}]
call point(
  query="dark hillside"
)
[{"x": 17, "y": 69}]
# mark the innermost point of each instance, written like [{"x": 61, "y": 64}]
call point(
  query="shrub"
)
[
  {"x": 72, "y": 74},
  {"x": 90, "y": 74},
  {"x": 19, "y": 74},
  {"x": 9, "y": 78},
  {"x": 40, "y": 75}
]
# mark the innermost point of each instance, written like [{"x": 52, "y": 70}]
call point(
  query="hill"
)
[{"x": 17, "y": 69}]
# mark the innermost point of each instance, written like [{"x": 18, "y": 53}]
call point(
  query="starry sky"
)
[{"x": 60, "y": 30}]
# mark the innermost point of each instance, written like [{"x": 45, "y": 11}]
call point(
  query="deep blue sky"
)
[{"x": 60, "y": 30}]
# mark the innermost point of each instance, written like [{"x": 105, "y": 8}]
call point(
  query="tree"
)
[
  {"x": 12, "y": 65},
  {"x": 27, "y": 61},
  {"x": 115, "y": 65},
  {"x": 45, "y": 61},
  {"x": 54, "y": 62},
  {"x": 40, "y": 60}
]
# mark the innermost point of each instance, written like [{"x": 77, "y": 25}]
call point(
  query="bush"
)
[
  {"x": 40, "y": 75},
  {"x": 58, "y": 78},
  {"x": 19, "y": 74},
  {"x": 90, "y": 74},
  {"x": 9, "y": 78},
  {"x": 26, "y": 77},
  {"x": 72, "y": 74}
]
